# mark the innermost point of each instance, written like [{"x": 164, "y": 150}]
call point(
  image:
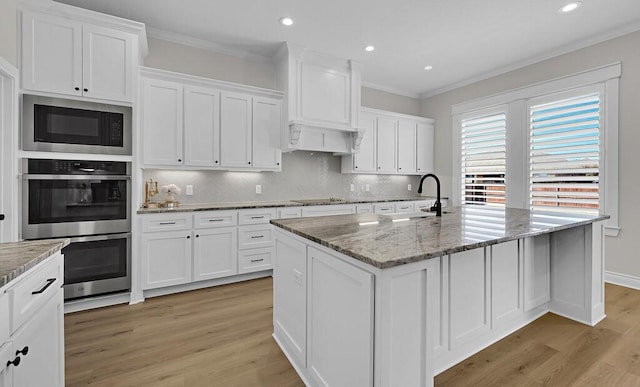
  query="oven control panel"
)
[{"x": 75, "y": 167}]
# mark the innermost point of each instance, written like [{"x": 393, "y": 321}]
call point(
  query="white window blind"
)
[
  {"x": 484, "y": 159},
  {"x": 564, "y": 146}
]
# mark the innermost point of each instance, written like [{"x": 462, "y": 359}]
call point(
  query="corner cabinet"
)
[
  {"x": 195, "y": 123},
  {"x": 392, "y": 143},
  {"x": 66, "y": 51}
]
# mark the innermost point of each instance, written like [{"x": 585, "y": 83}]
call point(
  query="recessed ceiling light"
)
[
  {"x": 428, "y": 68},
  {"x": 570, "y": 7},
  {"x": 369, "y": 48},
  {"x": 286, "y": 21}
]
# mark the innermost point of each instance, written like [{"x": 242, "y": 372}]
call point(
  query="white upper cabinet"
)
[
  {"x": 205, "y": 124},
  {"x": 325, "y": 94},
  {"x": 201, "y": 127},
  {"x": 406, "y": 146},
  {"x": 235, "y": 130},
  {"x": 425, "y": 148},
  {"x": 162, "y": 122},
  {"x": 392, "y": 143},
  {"x": 63, "y": 53}
]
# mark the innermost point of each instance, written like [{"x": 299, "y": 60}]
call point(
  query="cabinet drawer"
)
[
  {"x": 215, "y": 219},
  {"x": 404, "y": 207},
  {"x": 166, "y": 222},
  {"x": 289, "y": 212},
  {"x": 255, "y": 260},
  {"x": 32, "y": 291},
  {"x": 4, "y": 319},
  {"x": 251, "y": 237},
  {"x": 365, "y": 208},
  {"x": 383, "y": 208},
  {"x": 256, "y": 216},
  {"x": 423, "y": 204}
]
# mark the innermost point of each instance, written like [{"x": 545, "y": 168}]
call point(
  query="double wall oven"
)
[{"x": 87, "y": 201}]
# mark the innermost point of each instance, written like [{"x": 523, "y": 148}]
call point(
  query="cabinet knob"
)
[
  {"x": 15, "y": 362},
  {"x": 379, "y": 167},
  {"x": 179, "y": 160},
  {"x": 86, "y": 90},
  {"x": 216, "y": 161},
  {"x": 24, "y": 351},
  {"x": 418, "y": 169},
  {"x": 197, "y": 236},
  {"x": 277, "y": 163},
  {"x": 77, "y": 89},
  {"x": 399, "y": 169},
  {"x": 188, "y": 236},
  {"x": 356, "y": 167},
  {"x": 248, "y": 162}
]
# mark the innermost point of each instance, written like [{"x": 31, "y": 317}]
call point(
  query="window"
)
[
  {"x": 484, "y": 159},
  {"x": 564, "y": 154}
]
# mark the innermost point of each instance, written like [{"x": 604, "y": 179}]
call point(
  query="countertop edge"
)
[{"x": 56, "y": 246}]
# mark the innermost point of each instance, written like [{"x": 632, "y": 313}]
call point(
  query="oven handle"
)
[
  {"x": 100, "y": 237},
  {"x": 74, "y": 177}
]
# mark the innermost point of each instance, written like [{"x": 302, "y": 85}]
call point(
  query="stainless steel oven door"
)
[
  {"x": 96, "y": 265},
  {"x": 74, "y": 205},
  {"x": 78, "y": 126}
]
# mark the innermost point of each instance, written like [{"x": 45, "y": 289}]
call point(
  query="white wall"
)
[
  {"x": 622, "y": 253},
  {"x": 8, "y": 31}
]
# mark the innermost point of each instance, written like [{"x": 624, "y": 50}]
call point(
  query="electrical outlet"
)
[
  {"x": 353, "y": 187},
  {"x": 258, "y": 189},
  {"x": 189, "y": 190},
  {"x": 366, "y": 187},
  {"x": 409, "y": 187}
]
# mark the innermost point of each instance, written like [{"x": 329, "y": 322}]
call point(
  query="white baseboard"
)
[{"x": 625, "y": 280}]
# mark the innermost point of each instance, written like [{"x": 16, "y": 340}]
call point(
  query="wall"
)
[
  {"x": 8, "y": 31},
  {"x": 383, "y": 100},
  {"x": 622, "y": 256},
  {"x": 305, "y": 175}
]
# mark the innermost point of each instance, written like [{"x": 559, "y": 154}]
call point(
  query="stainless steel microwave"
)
[{"x": 61, "y": 125}]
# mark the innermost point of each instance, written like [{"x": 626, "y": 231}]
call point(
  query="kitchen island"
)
[{"x": 393, "y": 300}]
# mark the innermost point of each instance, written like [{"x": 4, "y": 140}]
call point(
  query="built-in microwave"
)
[{"x": 61, "y": 125}]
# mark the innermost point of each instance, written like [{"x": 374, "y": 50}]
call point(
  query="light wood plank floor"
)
[{"x": 222, "y": 337}]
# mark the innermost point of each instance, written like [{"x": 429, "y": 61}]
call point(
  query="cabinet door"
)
[
  {"x": 365, "y": 159},
  {"x": 340, "y": 350},
  {"x": 215, "y": 253},
  {"x": 386, "y": 145},
  {"x": 162, "y": 122},
  {"x": 267, "y": 123},
  {"x": 201, "y": 127},
  {"x": 6, "y": 371},
  {"x": 406, "y": 146},
  {"x": 108, "y": 63},
  {"x": 425, "y": 149},
  {"x": 235, "y": 130},
  {"x": 166, "y": 259},
  {"x": 51, "y": 54},
  {"x": 42, "y": 337}
]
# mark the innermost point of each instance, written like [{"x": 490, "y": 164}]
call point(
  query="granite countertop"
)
[
  {"x": 18, "y": 257},
  {"x": 385, "y": 241},
  {"x": 286, "y": 203}
]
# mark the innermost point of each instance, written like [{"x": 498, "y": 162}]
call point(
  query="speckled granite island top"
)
[
  {"x": 18, "y": 257},
  {"x": 385, "y": 241},
  {"x": 286, "y": 203}
]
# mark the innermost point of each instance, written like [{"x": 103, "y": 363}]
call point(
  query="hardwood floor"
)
[{"x": 222, "y": 337}]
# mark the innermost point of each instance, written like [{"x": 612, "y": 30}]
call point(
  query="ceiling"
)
[{"x": 463, "y": 40}]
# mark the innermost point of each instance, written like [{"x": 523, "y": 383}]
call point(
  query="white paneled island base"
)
[{"x": 347, "y": 318}]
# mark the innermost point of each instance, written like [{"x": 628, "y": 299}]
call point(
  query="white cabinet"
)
[
  {"x": 162, "y": 122},
  {"x": 201, "y": 127},
  {"x": 404, "y": 207},
  {"x": 6, "y": 367},
  {"x": 425, "y": 145},
  {"x": 166, "y": 259},
  {"x": 65, "y": 56},
  {"x": 250, "y": 131},
  {"x": 334, "y": 209},
  {"x": 364, "y": 208},
  {"x": 392, "y": 143},
  {"x": 537, "y": 281},
  {"x": 406, "y": 146},
  {"x": 214, "y": 252},
  {"x": 384, "y": 208},
  {"x": 289, "y": 212}
]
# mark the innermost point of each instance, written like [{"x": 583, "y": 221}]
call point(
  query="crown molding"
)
[
  {"x": 616, "y": 33},
  {"x": 392, "y": 90},
  {"x": 207, "y": 45}
]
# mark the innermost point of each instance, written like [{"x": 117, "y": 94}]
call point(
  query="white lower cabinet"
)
[
  {"x": 214, "y": 253},
  {"x": 166, "y": 259},
  {"x": 255, "y": 260},
  {"x": 334, "y": 209},
  {"x": 6, "y": 366}
]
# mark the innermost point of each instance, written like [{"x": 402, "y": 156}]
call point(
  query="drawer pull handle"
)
[
  {"x": 257, "y": 236},
  {"x": 216, "y": 220},
  {"x": 50, "y": 282},
  {"x": 24, "y": 351},
  {"x": 257, "y": 260},
  {"x": 257, "y": 217},
  {"x": 166, "y": 223},
  {"x": 15, "y": 362}
]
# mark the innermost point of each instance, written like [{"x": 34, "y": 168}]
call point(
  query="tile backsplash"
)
[{"x": 305, "y": 175}]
